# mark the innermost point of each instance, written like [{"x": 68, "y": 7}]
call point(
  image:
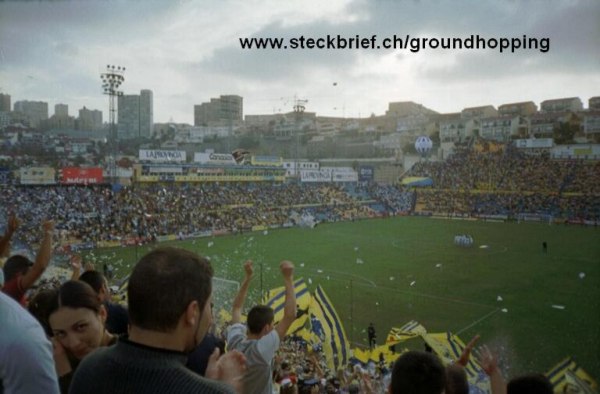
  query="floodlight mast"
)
[{"x": 112, "y": 79}]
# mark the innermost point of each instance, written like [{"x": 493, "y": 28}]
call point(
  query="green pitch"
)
[{"x": 395, "y": 270}]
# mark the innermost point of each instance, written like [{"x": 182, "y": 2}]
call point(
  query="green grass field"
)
[{"x": 367, "y": 269}]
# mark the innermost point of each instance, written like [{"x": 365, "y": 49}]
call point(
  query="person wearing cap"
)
[{"x": 20, "y": 273}]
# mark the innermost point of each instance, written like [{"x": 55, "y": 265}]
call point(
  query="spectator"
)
[
  {"x": 371, "y": 334},
  {"x": 418, "y": 372},
  {"x": 261, "y": 339},
  {"x": 198, "y": 358},
  {"x": 25, "y": 354},
  {"x": 20, "y": 273},
  {"x": 76, "y": 318},
  {"x": 170, "y": 312},
  {"x": 530, "y": 384},
  {"x": 117, "y": 321},
  {"x": 456, "y": 380}
]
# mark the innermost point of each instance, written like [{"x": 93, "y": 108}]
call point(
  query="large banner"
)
[
  {"x": 271, "y": 161},
  {"x": 344, "y": 177},
  {"x": 531, "y": 143},
  {"x": 221, "y": 159},
  {"x": 38, "y": 176},
  {"x": 81, "y": 176},
  {"x": 366, "y": 173},
  {"x": 163, "y": 156},
  {"x": 341, "y": 174},
  {"x": 315, "y": 176}
]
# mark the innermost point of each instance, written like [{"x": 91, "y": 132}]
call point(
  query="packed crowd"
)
[
  {"x": 74, "y": 339},
  {"x": 511, "y": 183},
  {"x": 97, "y": 213}
]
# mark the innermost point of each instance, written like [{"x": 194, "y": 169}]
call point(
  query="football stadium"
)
[
  {"x": 300, "y": 197},
  {"x": 429, "y": 262}
]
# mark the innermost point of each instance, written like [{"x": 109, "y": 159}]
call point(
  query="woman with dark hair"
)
[{"x": 76, "y": 319}]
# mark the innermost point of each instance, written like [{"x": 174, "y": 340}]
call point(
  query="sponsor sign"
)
[
  {"x": 315, "y": 176},
  {"x": 272, "y": 161},
  {"x": 531, "y": 143},
  {"x": 163, "y": 156},
  {"x": 37, "y": 176},
  {"x": 345, "y": 177},
  {"x": 222, "y": 159},
  {"x": 81, "y": 176},
  {"x": 366, "y": 173}
]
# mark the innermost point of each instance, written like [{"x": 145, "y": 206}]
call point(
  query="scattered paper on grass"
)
[
  {"x": 483, "y": 247},
  {"x": 320, "y": 271},
  {"x": 581, "y": 275},
  {"x": 413, "y": 282},
  {"x": 302, "y": 265},
  {"x": 499, "y": 298},
  {"x": 504, "y": 310},
  {"x": 438, "y": 265},
  {"x": 392, "y": 278},
  {"x": 265, "y": 232},
  {"x": 309, "y": 281},
  {"x": 558, "y": 306},
  {"x": 359, "y": 261},
  {"x": 356, "y": 248},
  {"x": 210, "y": 244}
]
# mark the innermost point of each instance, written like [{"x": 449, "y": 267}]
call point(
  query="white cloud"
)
[{"x": 188, "y": 52}]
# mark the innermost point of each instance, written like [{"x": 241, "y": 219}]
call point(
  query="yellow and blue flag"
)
[
  {"x": 410, "y": 330},
  {"x": 340, "y": 347},
  {"x": 275, "y": 299},
  {"x": 449, "y": 348},
  {"x": 569, "y": 373}
]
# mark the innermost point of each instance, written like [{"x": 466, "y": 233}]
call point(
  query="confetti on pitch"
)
[
  {"x": 392, "y": 278},
  {"x": 210, "y": 244},
  {"x": 499, "y": 298},
  {"x": 309, "y": 281},
  {"x": 301, "y": 265},
  {"x": 320, "y": 271},
  {"x": 558, "y": 306},
  {"x": 413, "y": 282},
  {"x": 359, "y": 261},
  {"x": 438, "y": 265},
  {"x": 265, "y": 232},
  {"x": 581, "y": 275},
  {"x": 327, "y": 277},
  {"x": 356, "y": 248},
  {"x": 504, "y": 310},
  {"x": 377, "y": 303},
  {"x": 483, "y": 247}
]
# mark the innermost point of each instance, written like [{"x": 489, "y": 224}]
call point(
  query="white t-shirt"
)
[{"x": 259, "y": 357}]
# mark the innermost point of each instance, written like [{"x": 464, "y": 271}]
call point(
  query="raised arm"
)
[
  {"x": 11, "y": 227},
  {"x": 238, "y": 301},
  {"x": 488, "y": 362},
  {"x": 76, "y": 265},
  {"x": 42, "y": 258},
  {"x": 289, "y": 307},
  {"x": 466, "y": 354}
]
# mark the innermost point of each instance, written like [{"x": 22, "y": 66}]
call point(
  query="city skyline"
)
[{"x": 188, "y": 52}]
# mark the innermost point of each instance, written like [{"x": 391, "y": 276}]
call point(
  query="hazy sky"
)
[{"x": 188, "y": 51}]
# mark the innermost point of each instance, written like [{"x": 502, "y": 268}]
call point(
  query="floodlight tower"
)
[
  {"x": 112, "y": 78},
  {"x": 299, "y": 108}
]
